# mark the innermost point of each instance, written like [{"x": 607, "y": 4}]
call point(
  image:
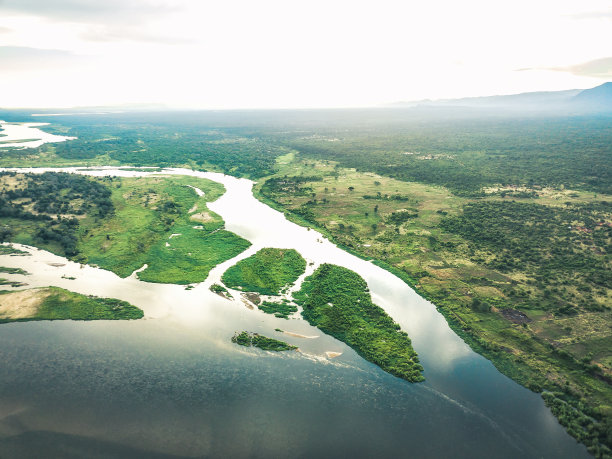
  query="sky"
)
[{"x": 224, "y": 54}]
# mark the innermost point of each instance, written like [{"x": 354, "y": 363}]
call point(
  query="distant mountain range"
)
[{"x": 597, "y": 99}]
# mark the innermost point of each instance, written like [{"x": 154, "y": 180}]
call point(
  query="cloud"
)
[
  {"x": 116, "y": 34},
  {"x": 88, "y": 11},
  {"x": 598, "y": 68},
  {"x": 19, "y": 58},
  {"x": 593, "y": 15},
  {"x": 5, "y": 30},
  {"x": 601, "y": 68}
]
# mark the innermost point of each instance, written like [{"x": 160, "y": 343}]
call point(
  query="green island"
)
[
  {"x": 282, "y": 309},
  {"x": 53, "y": 303},
  {"x": 337, "y": 301},
  {"x": 267, "y": 272},
  {"x": 221, "y": 291},
  {"x": 120, "y": 224},
  {"x": 262, "y": 342}
]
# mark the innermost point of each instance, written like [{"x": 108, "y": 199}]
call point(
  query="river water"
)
[
  {"x": 26, "y": 135},
  {"x": 173, "y": 384}
]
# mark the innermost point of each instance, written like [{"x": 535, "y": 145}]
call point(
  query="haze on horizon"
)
[{"x": 289, "y": 54}]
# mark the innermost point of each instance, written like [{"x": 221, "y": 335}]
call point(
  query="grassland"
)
[
  {"x": 509, "y": 292},
  {"x": 158, "y": 221},
  {"x": 262, "y": 342},
  {"x": 267, "y": 272},
  {"x": 148, "y": 211},
  {"x": 53, "y": 303}
]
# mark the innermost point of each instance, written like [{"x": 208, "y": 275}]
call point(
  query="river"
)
[
  {"x": 173, "y": 384},
  {"x": 26, "y": 135}
]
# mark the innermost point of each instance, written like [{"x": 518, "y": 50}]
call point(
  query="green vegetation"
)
[
  {"x": 262, "y": 342},
  {"x": 120, "y": 224},
  {"x": 281, "y": 309},
  {"x": 4, "y": 269},
  {"x": 221, "y": 290},
  {"x": 467, "y": 154},
  {"x": 54, "y": 303},
  {"x": 337, "y": 301},
  {"x": 63, "y": 304},
  {"x": 170, "y": 227},
  {"x": 583, "y": 427},
  {"x": 11, "y": 283},
  {"x": 44, "y": 209},
  {"x": 8, "y": 249},
  {"x": 267, "y": 272},
  {"x": 153, "y": 225}
]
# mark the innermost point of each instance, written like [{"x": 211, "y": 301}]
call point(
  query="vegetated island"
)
[
  {"x": 337, "y": 301},
  {"x": 282, "y": 309},
  {"x": 262, "y": 342},
  {"x": 221, "y": 291},
  {"x": 267, "y": 272},
  {"x": 120, "y": 224},
  {"x": 53, "y": 303}
]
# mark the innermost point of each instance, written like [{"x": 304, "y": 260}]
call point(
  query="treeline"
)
[
  {"x": 166, "y": 143},
  {"x": 466, "y": 156}
]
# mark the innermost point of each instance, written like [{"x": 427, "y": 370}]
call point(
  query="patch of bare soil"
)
[
  {"x": 22, "y": 304},
  {"x": 203, "y": 217},
  {"x": 515, "y": 316}
]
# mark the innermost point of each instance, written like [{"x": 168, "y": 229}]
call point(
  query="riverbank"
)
[{"x": 397, "y": 224}]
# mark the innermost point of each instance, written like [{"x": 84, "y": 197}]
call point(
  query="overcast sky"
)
[{"x": 285, "y": 53}]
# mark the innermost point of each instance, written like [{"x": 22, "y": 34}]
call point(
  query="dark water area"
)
[{"x": 161, "y": 389}]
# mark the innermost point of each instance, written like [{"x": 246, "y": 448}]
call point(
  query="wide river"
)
[{"x": 173, "y": 384}]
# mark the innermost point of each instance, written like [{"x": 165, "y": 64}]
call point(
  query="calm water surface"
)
[{"x": 174, "y": 385}]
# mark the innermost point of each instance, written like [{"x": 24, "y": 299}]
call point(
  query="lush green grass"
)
[
  {"x": 120, "y": 224},
  {"x": 337, "y": 301},
  {"x": 191, "y": 256},
  {"x": 63, "y": 304},
  {"x": 282, "y": 309},
  {"x": 262, "y": 342},
  {"x": 148, "y": 212},
  {"x": 60, "y": 304},
  {"x": 267, "y": 272}
]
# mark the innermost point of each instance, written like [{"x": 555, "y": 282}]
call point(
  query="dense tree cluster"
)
[
  {"x": 337, "y": 301},
  {"x": 50, "y": 202}
]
